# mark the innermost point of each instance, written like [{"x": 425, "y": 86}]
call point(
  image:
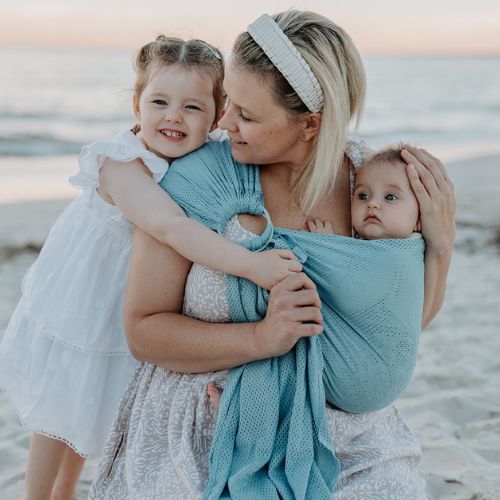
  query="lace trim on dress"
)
[{"x": 37, "y": 429}]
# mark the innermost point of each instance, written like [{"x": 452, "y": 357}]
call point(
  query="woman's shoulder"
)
[
  {"x": 210, "y": 185},
  {"x": 213, "y": 155},
  {"x": 212, "y": 162}
]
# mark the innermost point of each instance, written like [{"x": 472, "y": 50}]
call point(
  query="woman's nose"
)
[{"x": 227, "y": 122}]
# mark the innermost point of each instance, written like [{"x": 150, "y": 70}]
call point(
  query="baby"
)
[{"x": 383, "y": 206}]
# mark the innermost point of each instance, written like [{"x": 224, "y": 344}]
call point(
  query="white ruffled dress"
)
[{"x": 64, "y": 360}]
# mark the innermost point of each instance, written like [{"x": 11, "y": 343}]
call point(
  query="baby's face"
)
[{"x": 384, "y": 205}]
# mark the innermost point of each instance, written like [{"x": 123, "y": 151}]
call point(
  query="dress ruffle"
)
[
  {"x": 123, "y": 147},
  {"x": 64, "y": 359}
]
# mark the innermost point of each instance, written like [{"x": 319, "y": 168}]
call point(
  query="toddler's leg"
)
[
  {"x": 44, "y": 460},
  {"x": 69, "y": 473},
  {"x": 213, "y": 395}
]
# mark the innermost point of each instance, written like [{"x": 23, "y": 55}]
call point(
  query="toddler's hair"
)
[
  {"x": 390, "y": 154},
  {"x": 190, "y": 55}
]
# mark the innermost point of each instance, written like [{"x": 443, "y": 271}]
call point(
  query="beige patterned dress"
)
[{"x": 160, "y": 442}]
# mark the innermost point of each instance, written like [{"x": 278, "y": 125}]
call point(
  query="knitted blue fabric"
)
[{"x": 272, "y": 440}]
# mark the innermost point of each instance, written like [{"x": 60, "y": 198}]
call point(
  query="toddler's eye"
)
[
  {"x": 391, "y": 197},
  {"x": 192, "y": 106},
  {"x": 362, "y": 196},
  {"x": 160, "y": 102}
]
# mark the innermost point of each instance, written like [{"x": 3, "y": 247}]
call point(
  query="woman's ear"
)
[
  {"x": 137, "y": 109},
  {"x": 310, "y": 125}
]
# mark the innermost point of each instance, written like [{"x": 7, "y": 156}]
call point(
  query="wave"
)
[
  {"x": 38, "y": 145},
  {"x": 8, "y": 252}
]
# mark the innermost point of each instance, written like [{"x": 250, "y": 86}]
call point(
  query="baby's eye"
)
[
  {"x": 391, "y": 197},
  {"x": 160, "y": 102},
  {"x": 362, "y": 196},
  {"x": 192, "y": 106}
]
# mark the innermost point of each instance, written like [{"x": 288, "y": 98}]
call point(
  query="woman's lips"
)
[{"x": 236, "y": 142}]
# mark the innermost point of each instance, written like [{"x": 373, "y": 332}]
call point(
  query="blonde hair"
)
[
  {"x": 191, "y": 55},
  {"x": 337, "y": 65}
]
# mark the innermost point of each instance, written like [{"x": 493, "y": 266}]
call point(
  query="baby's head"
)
[
  {"x": 178, "y": 95},
  {"x": 384, "y": 205}
]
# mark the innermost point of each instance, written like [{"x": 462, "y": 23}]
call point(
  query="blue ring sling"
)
[{"x": 271, "y": 439}]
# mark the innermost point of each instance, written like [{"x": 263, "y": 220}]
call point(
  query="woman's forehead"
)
[{"x": 248, "y": 90}]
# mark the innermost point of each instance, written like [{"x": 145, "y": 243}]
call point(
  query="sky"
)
[{"x": 376, "y": 26}]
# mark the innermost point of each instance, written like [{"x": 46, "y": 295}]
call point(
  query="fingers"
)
[
  {"x": 305, "y": 298},
  {"x": 285, "y": 254},
  {"x": 427, "y": 177},
  {"x": 295, "y": 266},
  {"x": 318, "y": 226},
  {"x": 421, "y": 193},
  {"x": 307, "y": 315},
  {"x": 308, "y": 329},
  {"x": 295, "y": 282},
  {"x": 421, "y": 159}
]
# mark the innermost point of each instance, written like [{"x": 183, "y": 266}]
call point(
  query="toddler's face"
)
[
  {"x": 176, "y": 111},
  {"x": 384, "y": 205}
]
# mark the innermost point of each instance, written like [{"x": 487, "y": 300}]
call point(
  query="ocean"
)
[{"x": 53, "y": 101}]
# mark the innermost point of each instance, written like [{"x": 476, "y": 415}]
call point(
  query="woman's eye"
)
[
  {"x": 244, "y": 118},
  {"x": 362, "y": 196},
  {"x": 391, "y": 197},
  {"x": 192, "y": 106},
  {"x": 160, "y": 102}
]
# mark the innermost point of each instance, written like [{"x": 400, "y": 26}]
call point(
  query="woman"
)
[{"x": 292, "y": 122}]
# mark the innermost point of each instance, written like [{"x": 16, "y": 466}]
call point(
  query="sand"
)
[{"x": 453, "y": 402}]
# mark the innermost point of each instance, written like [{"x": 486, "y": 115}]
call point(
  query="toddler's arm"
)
[{"x": 149, "y": 207}]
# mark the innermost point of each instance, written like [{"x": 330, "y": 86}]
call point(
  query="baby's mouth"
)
[{"x": 372, "y": 218}]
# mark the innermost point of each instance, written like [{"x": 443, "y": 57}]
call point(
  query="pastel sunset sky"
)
[{"x": 377, "y": 26}]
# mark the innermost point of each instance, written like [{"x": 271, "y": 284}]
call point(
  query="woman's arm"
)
[
  {"x": 159, "y": 334},
  {"x": 148, "y": 207},
  {"x": 434, "y": 192}
]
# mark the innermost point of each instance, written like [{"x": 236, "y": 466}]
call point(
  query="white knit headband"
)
[{"x": 287, "y": 59}]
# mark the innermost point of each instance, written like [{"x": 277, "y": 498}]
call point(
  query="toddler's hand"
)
[
  {"x": 318, "y": 226},
  {"x": 268, "y": 268}
]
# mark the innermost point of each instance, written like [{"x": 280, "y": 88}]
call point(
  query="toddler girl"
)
[{"x": 64, "y": 361}]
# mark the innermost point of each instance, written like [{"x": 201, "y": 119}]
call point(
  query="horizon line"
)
[{"x": 123, "y": 48}]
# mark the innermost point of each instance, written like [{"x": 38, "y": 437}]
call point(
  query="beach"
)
[{"x": 453, "y": 401}]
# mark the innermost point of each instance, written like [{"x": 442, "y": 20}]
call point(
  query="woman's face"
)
[{"x": 260, "y": 130}]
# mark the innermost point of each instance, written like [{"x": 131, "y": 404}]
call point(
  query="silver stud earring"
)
[{"x": 303, "y": 137}]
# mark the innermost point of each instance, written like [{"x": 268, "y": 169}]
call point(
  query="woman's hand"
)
[
  {"x": 434, "y": 191},
  {"x": 294, "y": 311},
  {"x": 269, "y": 268}
]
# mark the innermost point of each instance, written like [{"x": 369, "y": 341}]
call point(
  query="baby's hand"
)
[
  {"x": 268, "y": 268},
  {"x": 318, "y": 226}
]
